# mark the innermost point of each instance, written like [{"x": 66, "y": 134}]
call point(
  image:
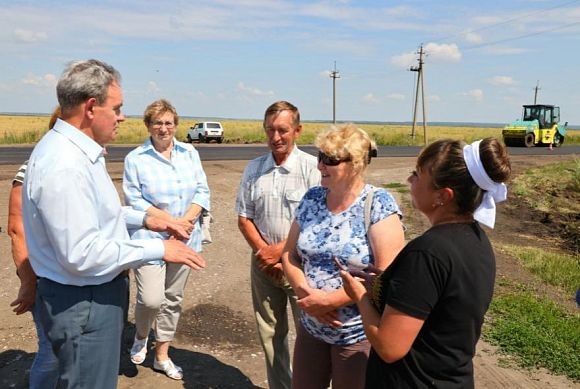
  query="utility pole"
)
[
  {"x": 334, "y": 75},
  {"x": 536, "y": 89},
  {"x": 420, "y": 81}
]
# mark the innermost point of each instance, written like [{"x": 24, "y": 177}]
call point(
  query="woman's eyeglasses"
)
[
  {"x": 330, "y": 161},
  {"x": 158, "y": 124}
]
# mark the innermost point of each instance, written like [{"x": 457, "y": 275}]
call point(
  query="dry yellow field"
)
[{"x": 28, "y": 129}]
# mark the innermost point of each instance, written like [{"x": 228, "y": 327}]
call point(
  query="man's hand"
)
[
  {"x": 176, "y": 230},
  {"x": 275, "y": 272},
  {"x": 268, "y": 256},
  {"x": 178, "y": 252},
  {"x": 25, "y": 299}
]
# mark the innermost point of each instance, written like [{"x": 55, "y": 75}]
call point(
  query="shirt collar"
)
[
  {"x": 92, "y": 149},
  {"x": 289, "y": 164},
  {"x": 148, "y": 145}
]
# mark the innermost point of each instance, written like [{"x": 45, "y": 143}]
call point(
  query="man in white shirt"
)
[
  {"x": 76, "y": 230},
  {"x": 270, "y": 190}
]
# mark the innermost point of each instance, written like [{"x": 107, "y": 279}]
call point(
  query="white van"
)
[{"x": 206, "y": 131}]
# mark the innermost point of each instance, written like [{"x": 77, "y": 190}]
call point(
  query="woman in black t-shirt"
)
[{"x": 423, "y": 315}]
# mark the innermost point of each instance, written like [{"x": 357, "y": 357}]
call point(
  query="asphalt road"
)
[{"x": 214, "y": 152}]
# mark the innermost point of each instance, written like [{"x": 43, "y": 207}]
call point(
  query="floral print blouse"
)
[{"x": 323, "y": 235}]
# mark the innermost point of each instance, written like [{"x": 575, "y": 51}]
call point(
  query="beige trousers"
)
[
  {"x": 159, "y": 296},
  {"x": 270, "y": 299}
]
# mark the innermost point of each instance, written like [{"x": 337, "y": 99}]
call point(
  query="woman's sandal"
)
[
  {"x": 139, "y": 351},
  {"x": 169, "y": 368}
]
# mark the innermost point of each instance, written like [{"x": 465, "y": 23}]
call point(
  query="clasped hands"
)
[{"x": 268, "y": 261}]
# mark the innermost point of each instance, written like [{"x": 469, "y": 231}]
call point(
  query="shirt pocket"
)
[
  {"x": 293, "y": 199},
  {"x": 256, "y": 193}
]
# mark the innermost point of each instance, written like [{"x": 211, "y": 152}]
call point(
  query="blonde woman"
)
[{"x": 329, "y": 231}]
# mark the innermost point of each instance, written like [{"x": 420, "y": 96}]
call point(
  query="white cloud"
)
[
  {"x": 501, "y": 81},
  {"x": 396, "y": 96},
  {"x": 324, "y": 73},
  {"x": 475, "y": 94},
  {"x": 433, "y": 98},
  {"x": 443, "y": 52},
  {"x": 152, "y": 87},
  {"x": 404, "y": 60},
  {"x": 48, "y": 80},
  {"x": 370, "y": 98},
  {"x": 472, "y": 37},
  {"x": 436, "y": 53},
  {"x": 254, "y": 91},
  {"x": 328, "y": 11},
  {"x": 28, "y": 36}
]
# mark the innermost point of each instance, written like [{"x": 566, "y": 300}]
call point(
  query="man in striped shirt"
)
[{"x": 270, "y": 190}]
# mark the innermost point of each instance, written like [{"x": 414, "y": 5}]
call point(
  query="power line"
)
[
  {"x": 520, "y": 36},
  {"x": 508, "y": 20}
]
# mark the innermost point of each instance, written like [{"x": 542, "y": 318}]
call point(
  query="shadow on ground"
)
[
  {"x": 14, "y": 368},
  {"x": 206, "y": 324},
  {"x": 200, "y": 370}
]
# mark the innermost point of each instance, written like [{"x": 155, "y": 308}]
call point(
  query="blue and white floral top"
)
[{"x": 323, "y": 235}]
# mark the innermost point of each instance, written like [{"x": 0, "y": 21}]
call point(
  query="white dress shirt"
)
[{"x": 76, "y": 229}]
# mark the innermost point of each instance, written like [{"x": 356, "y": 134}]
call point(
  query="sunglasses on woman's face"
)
[{"x": 330, "y": 161}]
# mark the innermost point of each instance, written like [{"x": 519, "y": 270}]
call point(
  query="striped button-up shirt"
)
[
  {"x": 269, "y": 194},
  {"x": 170, "y": 185}
]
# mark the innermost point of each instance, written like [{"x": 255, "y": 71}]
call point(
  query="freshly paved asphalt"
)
[{"x": 214, "y": 152}]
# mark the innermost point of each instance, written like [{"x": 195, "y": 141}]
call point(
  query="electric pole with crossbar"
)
[{"x": 420, "y": 81}]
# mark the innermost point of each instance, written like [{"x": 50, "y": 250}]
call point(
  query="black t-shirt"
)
[{"x": 446, "y": 278}]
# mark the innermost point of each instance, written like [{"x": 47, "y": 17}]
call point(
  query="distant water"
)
[{"x": 443, "y": 124}]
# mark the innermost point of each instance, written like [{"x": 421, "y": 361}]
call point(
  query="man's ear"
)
[
  {"x": 298, "y": 130},
  {"x": 89, "y": 107}
]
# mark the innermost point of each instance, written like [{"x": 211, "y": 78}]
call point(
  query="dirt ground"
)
[{"x": 216, "y": 343}]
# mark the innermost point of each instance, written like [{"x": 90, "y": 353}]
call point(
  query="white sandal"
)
[
  {"x": 139, "y": 351},
  {"x": 169, "y": 368}
]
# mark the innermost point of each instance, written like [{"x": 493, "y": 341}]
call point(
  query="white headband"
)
[{"x": 494, "y": 192}]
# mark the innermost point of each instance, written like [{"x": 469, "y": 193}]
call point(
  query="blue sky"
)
[{"x": 232, "y": 58}]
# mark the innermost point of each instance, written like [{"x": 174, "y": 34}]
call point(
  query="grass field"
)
[
  {"x": 522, "y": 321},
  {"x": 29, "y": 129}
]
